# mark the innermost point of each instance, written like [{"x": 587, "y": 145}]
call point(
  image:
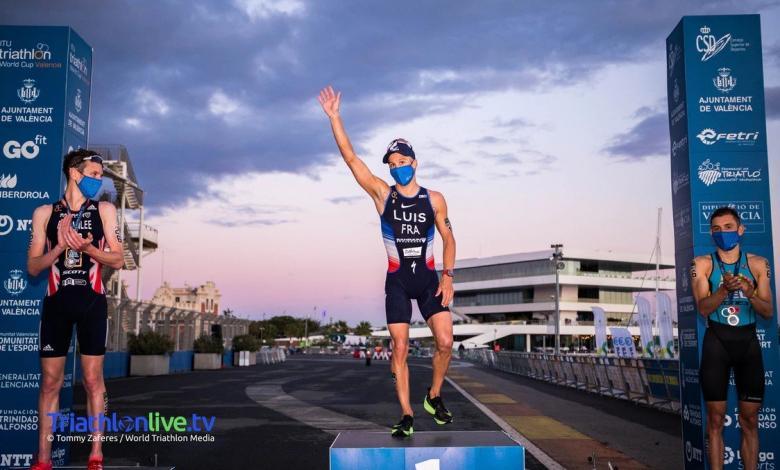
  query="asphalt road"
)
[{"x": 272, "y": 416}]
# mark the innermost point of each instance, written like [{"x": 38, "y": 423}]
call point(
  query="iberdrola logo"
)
[{"x": 709, "y": 172}]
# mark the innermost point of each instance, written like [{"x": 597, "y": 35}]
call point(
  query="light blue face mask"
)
[
  {"x": 726, "y": 240},
  {"x": 402, "y": 174},
  {"x": 90, "y": 186}
]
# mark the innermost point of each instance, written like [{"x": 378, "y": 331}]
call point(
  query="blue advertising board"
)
[
  {"x": 717, "y": 125},
  {"x": 45, "y": 78}
]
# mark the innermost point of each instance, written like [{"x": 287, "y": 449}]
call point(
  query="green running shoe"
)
[
  {"x": 404, "y": 428},
  {"x": 435, "y": 407}
]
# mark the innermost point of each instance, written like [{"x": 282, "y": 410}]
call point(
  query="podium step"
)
[{"x": 426, "y": 450}]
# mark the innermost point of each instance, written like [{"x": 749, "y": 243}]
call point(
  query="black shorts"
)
[
  {"x": 400, "y": 289},
  {"x": 84, "y": 308},
  {"x": 731, "y": 347}
]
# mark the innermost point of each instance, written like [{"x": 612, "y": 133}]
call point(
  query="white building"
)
[{"x": 510, "y": 298}]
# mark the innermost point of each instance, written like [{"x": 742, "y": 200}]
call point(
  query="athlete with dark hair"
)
[
  {"x": 74, "y": 238},
  {"x": 408, "y": 214},
  {"x": 731, "y": 287}
]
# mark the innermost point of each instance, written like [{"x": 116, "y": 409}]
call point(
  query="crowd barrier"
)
[
  {"x": 271, "y": 356},
  {"x": 117, "y": 363},
  {"x": 652, "y": 382}
]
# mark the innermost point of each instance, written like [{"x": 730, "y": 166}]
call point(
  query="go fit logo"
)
[
  {"x": 30, "y": 149},
  {"x": 153, "y": 422}
]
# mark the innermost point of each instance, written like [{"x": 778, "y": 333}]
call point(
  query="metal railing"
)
[
  {"x": 652, "y": 382},
  {"x": 182, "y": 326}
]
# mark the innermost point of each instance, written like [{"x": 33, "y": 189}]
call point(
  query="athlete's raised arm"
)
[
  {"x": 37, "y": 260},
  {"x": 375, "y": 187}
]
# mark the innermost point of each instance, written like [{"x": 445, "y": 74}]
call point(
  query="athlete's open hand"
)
[
  {"x": 76, "y": 241},
  {"x": 445, "y": 289},
  {"x": 329, "y": 100},
  {"x": 62, "y": 228}
]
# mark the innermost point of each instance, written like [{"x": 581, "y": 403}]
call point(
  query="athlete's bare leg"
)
[
  {"x": 92, "y": 367},
  {"x": 716, "y": 413},
  {"x": 748, "y": 422},
  {"x": 52, "y": 377},
  {"x": 441, "y": 326},
  {"x": 400, "y": 334}
]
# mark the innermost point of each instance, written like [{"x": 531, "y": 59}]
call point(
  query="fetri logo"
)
[{"x": 711, "y": 137}]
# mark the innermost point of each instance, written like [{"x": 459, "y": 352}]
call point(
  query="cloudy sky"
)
[{"x": 540, "y": 122}]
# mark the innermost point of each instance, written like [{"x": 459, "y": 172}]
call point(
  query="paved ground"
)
[
  {"x": 287, "y": 415},
  {"x": 272, "y": 416},
  {"x": 571, "y": 425}
]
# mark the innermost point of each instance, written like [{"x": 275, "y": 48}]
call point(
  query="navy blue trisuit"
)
[
  {"x": 75, "y": 294},
  {"x": 407, "y": 230}
]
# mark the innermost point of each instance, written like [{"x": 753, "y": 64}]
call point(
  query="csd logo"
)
[{"x": 30, "y": 149}]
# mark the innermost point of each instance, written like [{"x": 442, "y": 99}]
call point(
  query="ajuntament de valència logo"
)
[
  {"x": 28, "y": 92},
  {"x": 724, "y": 81},
  {"x": 16, "y": 283}
]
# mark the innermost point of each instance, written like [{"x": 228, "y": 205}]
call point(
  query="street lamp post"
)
[{"x": 557, "y": 265}]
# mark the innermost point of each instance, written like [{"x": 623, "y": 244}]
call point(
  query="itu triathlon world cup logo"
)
[
  {"x": 709, "y": 172},
  {"x": 708, "y": 45}
]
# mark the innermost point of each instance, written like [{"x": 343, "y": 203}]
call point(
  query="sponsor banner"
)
[
  {"x": 622, "y": 342},
  {"x": 724, "y": 83},
  {"x": 723, "y": 163},
  {"x": 600, "y": 325},
  {"x": 644, "y": 318},
  {"x": 44, "y": 110},
  {"x": 663, "y": 319}
]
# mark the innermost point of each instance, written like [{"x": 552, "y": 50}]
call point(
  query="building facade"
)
[
  {"x": 204, "y": 298},
  {"x": 520, "y": 287},
  {"x": 510, "y": 299}
]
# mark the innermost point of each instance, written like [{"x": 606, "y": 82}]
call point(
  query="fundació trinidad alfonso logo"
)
[
  {"x": 28, "y": 92},
  {"x": 16, "y": 283},
  {"x": 708, "y": 45},
  {"x": 724, "y": 81}
]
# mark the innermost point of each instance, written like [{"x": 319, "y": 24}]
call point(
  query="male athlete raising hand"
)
[{"x": 408, "y": 215}]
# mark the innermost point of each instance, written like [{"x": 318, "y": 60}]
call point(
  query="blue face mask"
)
[
  {"x": 90, "y": 186},
  {"x": 402, "y": 174},
  {"x": 726, "y": 240}
]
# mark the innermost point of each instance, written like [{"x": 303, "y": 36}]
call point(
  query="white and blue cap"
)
[{"x": 401, "y": 146}]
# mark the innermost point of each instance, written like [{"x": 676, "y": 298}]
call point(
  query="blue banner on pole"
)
[
  {"x": 717, "y": 125},
  {"x": 44, "y": 102}
]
